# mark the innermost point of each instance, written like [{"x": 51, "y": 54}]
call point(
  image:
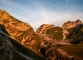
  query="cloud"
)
[
  {"x": 39, "y": 14},
  {"x": 40, "y": 17}
]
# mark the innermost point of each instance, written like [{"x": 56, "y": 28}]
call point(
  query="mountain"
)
[
  {"x": 69, "y": 38},
  {"x": 49, "y": 42},
  {"x": 52, "y": 33},
  {"x": 22, "y": 32},
  {"x": 75, "y": 37},
  {"x": 15, "y": 27}
]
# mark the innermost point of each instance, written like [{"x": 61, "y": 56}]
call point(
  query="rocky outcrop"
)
[
  {"x": 70, "y": 24},
  {"x": 42, "y": 29},
  {"x": 13, "y": 26},
  {"x": 65, "y": 33}
]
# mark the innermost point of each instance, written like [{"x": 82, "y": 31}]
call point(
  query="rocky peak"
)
[
  {"x": 44, "y": 27},
  {"x": 70, "y": 24},
  {"x": 13, "y": 25},
  {"x": 78, "y": 21},
  {"x": 19, "y": 31},
  {"x": 8, "y": 20}
]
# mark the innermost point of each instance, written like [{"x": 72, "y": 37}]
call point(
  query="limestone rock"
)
[
  {"x": 42, "y": 29},
  {"x": 13, "y": 25},
  {"x": 70, "y": 24}
]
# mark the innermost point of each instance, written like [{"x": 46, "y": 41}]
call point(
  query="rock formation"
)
[
  {"x": 20, "y": 31},
  {"x": 42, "y": 29},
  {"x": 53, "y": 34},
  {"x": 13, "y": 26},
  {"x": 70, "y": 24}
]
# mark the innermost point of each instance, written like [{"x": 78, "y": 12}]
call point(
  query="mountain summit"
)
[
  {"x": 14, "y": 26},
  {"x": 71, "y": 24}
]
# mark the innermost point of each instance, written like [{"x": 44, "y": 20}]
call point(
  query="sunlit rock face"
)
[
  {"x": 70, "y": 24},
  {"x": 18, "y": 30},
  {"x": 42, "y": 29},
  {"x": 22, "y": 32},
  {"x": 13, "y": 26},
  {"x": 52, "y": 34}
]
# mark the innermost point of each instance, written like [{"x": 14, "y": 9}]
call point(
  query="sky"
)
[{"x": 38, "y": 12}]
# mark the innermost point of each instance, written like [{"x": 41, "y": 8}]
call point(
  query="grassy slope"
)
[
  {"x": 75, "y": 49},
  {"x": 19, "y": 38},
  {"x": 56, "y": 33},
  {"x": 35, "y": 46},
  {"x": 76, "y": 38}
]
